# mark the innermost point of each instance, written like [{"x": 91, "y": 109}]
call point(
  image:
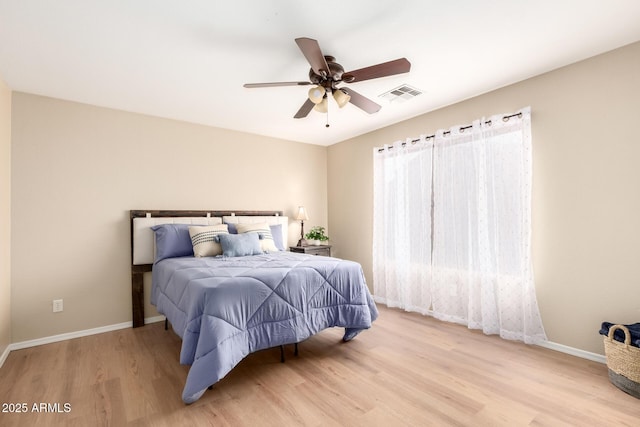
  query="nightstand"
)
[{"x": 324, "y": 250}]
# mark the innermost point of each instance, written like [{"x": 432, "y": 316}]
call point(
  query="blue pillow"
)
[
  {"x": 240, "y": 244},
  {"x": 276, "y": 232},
  {"x": 172, "y": 240},
  {"x": 232, "y": 228}
]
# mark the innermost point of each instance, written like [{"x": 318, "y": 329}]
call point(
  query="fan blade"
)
[
  {"x": 274, "y": 84},
  {"x": 311, "y": 50},
  {"x": 390, "y": 68},
  {"x": 305, "y": 109},
  {"x": 361, "y": 102}
]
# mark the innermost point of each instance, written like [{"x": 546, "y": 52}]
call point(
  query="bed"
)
[{"x": 241, "y": 291}]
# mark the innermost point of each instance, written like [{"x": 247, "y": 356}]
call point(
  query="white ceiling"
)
[{"x": 188, "y": 60}]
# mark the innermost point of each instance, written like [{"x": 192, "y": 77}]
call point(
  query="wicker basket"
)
[{"x": 623, "y": 362}]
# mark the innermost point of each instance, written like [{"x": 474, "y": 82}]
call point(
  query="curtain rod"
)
[{"x": 447, "y": 132}]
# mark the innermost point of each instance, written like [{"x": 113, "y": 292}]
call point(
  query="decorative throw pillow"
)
[
  {"x": 264, "y": 233},
  {"x": 172, "y": 240},
  {"x": 234, "y": 245},
  {"x": 276, "y": 232},
  {"x": 204, "y": 239}
]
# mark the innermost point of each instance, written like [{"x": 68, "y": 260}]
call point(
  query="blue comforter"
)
[{"x": 225, "y": 308}]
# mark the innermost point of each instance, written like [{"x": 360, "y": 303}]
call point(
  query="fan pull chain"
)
[{"x": 327, "y": 125}]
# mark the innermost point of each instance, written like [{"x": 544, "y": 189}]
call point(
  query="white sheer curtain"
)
[
  {"x": 479, "y": 271},
  {"x": 402, "y": 225}
]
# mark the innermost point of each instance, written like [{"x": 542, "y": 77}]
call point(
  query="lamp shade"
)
[
  {"x": 322, "y": 107},
  {"x": 302, "y": 214},
  {"x": 316, "y": 94},
  {"x": 341, "y": 98}
]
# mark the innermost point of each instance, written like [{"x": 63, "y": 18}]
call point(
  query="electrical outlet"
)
[{"x": 57, "y": 305}]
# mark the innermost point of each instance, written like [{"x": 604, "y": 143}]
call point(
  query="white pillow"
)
[
  {"x": 203, "y": 239},
  {"x": 264, "y": 232}
]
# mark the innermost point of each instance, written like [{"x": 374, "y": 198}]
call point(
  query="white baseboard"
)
[
  {"x": 595, "y": 357},
  {"x": 71, "y": 335},
  {"x": 4, "y": 355},
  {"x": 155, "y": 319}
]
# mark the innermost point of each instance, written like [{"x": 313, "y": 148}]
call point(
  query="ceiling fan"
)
[{"x": 326, "y": 74}]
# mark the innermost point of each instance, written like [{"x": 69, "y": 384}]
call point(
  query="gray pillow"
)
[{"x": 245, "y": 244}]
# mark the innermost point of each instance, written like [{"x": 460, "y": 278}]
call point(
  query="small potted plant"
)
[{"x": 316, "y": 236}]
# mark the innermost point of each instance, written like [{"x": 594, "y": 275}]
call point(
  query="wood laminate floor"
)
[{"x": 407, "y": 370}]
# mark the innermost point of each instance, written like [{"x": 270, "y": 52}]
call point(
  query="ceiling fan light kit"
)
[{"x": 327, "y": 74}]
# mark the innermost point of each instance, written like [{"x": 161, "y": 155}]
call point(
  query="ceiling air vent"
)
[{"x": 401, "y": 94}]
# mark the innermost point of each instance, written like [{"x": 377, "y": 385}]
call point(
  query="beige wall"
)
[
  {"x": 586, "y": 196},
  {"x": 5, "y": 217},
  {"x": 79, "y": 169}
]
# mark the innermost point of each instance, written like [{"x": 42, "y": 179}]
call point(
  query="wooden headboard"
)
[{"x": 138, "y": 270}]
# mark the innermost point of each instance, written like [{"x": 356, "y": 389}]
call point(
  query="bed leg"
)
[
  {"x": 281, "y": 354},
  {"x": 295, "y": 352},
  {"x": 137, "y": 296},
  {"x": 166, "y": 324}
]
